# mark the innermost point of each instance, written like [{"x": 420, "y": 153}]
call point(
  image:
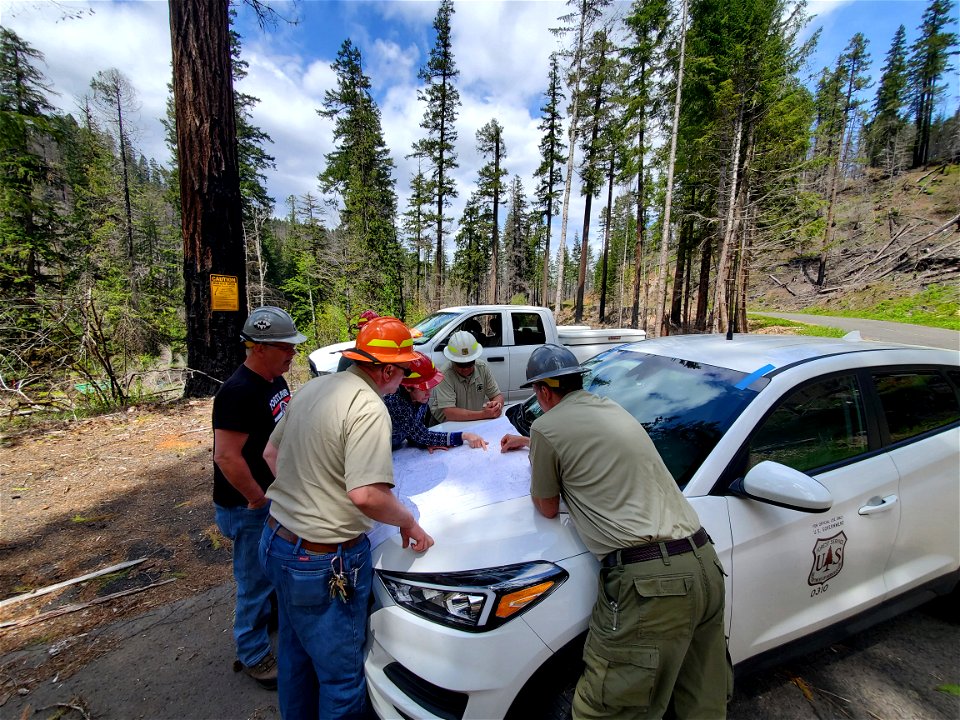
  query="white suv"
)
[{"x": 826, "y": 472}]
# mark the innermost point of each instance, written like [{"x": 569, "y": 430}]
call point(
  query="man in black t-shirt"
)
[{"x": 245, "y": 411}]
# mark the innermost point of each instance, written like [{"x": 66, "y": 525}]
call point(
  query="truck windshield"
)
[
  {"x": 685, "y": 406},
  {"x": 430, "y": 326}
]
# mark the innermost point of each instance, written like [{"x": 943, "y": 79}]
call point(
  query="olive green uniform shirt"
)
[
  {"x": 469, "y": 393},
  {"x": 334, "y": 437},
  {"x": 595, "y": 454}
]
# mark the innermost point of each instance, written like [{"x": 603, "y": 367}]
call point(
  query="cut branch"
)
[{"x": 66, "y": 583}]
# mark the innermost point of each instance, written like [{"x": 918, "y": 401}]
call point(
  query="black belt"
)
[
  {"x": 653, "y": 551},
  {"x": 307, "y": 544}
]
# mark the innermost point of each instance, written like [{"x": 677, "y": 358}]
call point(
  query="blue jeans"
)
[
  {"x": 252, "y": 610},
  {"x": 321, "y": 638}
]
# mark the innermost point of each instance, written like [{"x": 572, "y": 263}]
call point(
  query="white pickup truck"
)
[{"x": 508, "y": 334}]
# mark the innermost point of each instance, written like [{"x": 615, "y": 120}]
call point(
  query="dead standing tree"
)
[{"x": 211, "y": 214}]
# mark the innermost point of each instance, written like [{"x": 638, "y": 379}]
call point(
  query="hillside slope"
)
[{"x": 894, "y": 237}]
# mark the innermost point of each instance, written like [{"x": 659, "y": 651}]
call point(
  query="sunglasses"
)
[
  {"x": 466, "y": 364},
  {"x": 407, "y": 372}
]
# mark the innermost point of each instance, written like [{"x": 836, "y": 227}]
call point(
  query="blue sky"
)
[{"x": 501, "y": 49}]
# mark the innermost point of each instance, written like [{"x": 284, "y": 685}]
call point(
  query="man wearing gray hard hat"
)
[
  {"x": 656, "y": 637},
  {"x": 245, "y": 411}
]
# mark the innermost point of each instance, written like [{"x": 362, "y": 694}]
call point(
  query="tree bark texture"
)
[{"x": 211, "y": 214}]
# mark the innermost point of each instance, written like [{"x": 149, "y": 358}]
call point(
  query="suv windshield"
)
[
  {"x": 430, "y": 326},
  {"x": 685, "y": 406}
]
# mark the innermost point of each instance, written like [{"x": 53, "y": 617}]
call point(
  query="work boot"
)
[{"x": 264, "y": 672}]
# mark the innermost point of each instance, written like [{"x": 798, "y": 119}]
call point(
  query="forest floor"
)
[{"x": 81, "y": 496}]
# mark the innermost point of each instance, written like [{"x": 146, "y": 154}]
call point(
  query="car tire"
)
[{"x": 548, "y": 694}]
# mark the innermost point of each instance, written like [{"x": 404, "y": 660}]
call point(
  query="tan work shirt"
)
[
  {"x": 597, "y": 456},
  {"x": 469, "y": 393},
  {"x": 334, "y": 437}
]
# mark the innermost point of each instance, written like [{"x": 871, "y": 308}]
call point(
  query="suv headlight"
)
[{"x": 474, "y": 600}]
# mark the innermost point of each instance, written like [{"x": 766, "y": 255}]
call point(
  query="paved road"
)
[
  {"x": 174, "y": 662},
  {"x": 881, "y": 330}
]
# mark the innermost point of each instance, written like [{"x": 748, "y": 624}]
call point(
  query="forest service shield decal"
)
[{"x": 827, "y": 559}]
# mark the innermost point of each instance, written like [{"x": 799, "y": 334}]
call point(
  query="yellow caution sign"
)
[{"x": 224, "y": 293}]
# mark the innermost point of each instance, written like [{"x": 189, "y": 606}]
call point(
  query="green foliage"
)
[
  {"x": 359, "y": 170},
  {"x": 759, "y": 322},
  {"x": 928, "y": 65},
  {"x": 936, "y": 306},
  {"x": 439, "y": 121}
]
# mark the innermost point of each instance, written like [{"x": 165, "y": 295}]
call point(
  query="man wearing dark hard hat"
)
[
  {"x": 245, "y": 411},
  {"x": 656, "y": 637}
]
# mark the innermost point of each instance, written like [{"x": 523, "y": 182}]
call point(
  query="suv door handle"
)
[
  {"x": 495, "y": 359},
  {"x": 878, "y": 504}
]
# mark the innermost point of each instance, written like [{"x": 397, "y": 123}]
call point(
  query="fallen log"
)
[{"x": 67, "y": 583}]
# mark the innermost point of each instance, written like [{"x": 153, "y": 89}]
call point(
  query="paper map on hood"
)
[{"x": 458, "y": 479}]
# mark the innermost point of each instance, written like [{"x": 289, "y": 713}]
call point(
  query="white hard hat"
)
[{"x": 462, "y": 347}]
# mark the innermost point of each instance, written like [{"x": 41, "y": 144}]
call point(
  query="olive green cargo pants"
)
[{"x": 656, "y": 644}]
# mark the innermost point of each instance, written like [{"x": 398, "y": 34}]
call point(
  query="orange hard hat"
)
[
  {"x": 383, "y": 340},
  {"x": 423, "y": 374}
]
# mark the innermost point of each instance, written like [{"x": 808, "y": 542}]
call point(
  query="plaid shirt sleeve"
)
[{"x": 408, "y": 425}]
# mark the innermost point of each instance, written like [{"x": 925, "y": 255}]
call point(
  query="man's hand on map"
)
[{"x": 513, "y": 442}]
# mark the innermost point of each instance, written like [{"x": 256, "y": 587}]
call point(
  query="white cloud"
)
[{"x": 132, "y": 37}]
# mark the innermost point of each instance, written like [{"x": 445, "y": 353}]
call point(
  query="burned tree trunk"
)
[{"x": 211, "y": 215}]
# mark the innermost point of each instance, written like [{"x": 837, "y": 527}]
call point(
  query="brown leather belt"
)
[
  {"x": 311, "y": 546},
  {"x": 653, "y": 550}
]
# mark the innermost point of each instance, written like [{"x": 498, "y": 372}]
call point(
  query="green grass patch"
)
[
  {"x": 93, "y": 518},
  {"x": 949, "y": 689},
  {"x": 759, "y": 322},
  {"x": 937, "y": 306},
  {"x": 103, "y": 580}
]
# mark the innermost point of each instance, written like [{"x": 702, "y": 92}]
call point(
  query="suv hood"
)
[{"x": 476, "y": 506}]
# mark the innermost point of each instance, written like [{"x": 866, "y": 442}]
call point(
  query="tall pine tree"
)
[{"x": 439, "y": 120}]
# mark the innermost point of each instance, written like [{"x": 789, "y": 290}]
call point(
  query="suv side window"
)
[
  {"x": 915, "y": 402},
  {"x": 819, "y": 424}
]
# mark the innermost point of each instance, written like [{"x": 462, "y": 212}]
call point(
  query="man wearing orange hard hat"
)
[
  {"x": 408, "y": 408},
  {"x": 332, "y": 459}
]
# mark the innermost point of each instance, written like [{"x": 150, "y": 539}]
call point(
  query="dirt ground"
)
[{"x": 82, "y": 496}]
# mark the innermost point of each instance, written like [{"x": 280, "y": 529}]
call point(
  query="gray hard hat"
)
[
  {"x": 551, "y": 361},
  {"x": 271, "y": 324}
]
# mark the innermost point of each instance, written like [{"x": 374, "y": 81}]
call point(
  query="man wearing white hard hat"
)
[{"x": 468, "y": 391}]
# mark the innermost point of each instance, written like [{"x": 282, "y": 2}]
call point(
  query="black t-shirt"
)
[{"x": 247, "y": 403}]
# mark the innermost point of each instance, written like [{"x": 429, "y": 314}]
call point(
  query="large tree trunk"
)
[
  {"x": 721, "y": 299},
  {"x": 211, "y": 215},
  {"x": 703, "y": 284},
  {"x": 638, "y": 249},
  {"x": 606, "y": 239}
]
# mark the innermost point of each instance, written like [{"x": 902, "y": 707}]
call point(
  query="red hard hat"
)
[
  {"x": 423, "y": 374},
  {"x": 383, "y": 340},
  {"x": 366, "y": 316}
]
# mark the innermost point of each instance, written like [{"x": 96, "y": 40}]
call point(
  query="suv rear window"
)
[{"x": 916, "y": 402}]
